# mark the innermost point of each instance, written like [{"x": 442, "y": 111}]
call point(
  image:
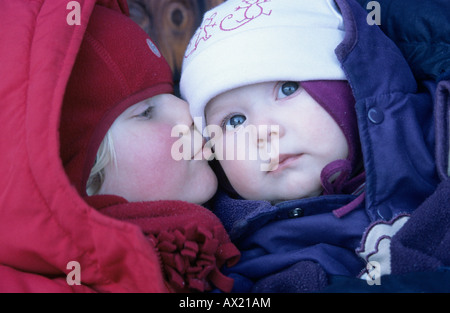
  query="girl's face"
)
[
  {"x": 282, "y": 121},
  {"x": 145, "y": 169}
]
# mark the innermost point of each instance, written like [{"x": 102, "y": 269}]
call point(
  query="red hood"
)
[{"x": 44, "y": 224}]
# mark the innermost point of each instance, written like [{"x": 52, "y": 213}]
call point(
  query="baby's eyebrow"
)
[
  {"x": 208, "y": 118},
  {"x": 211, "y": 112}
]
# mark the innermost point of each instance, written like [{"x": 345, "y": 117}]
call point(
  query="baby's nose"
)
[{"x": 270, "y": 123}]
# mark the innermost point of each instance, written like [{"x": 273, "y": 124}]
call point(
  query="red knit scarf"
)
[{"x": 191, "y": 241}]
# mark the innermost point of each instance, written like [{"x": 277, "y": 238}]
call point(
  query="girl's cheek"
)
[
  {"x": 162, "y": 147},
  {"x": 150, "y": 151},
  {"x": 167, "y": 143}
]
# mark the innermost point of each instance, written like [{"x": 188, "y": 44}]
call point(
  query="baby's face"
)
[
  {"x": 291, "y": 135},
  {"x": 146, "y": 168}
]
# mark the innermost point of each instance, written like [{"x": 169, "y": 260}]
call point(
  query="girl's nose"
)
[{"x": 178, "y": 110}]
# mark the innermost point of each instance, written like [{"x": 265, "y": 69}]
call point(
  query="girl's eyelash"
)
[{"x": 147, "y": 112}]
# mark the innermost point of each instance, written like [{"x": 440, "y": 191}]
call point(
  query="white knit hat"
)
[{"x": 242, "y": 42}]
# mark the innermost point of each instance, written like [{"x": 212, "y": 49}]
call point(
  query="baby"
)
[
  {"x": 280, "y": 72},
  {"x": 284, "y": 81},
  {"x": 263, "y": 77}
]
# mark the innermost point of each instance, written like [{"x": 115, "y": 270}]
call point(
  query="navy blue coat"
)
[{"x": 295, "y": 246}]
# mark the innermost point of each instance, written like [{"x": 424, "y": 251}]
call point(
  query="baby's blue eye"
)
[
  {"x": 236, "y": 121},
  {"x": 287, "y": 89}
]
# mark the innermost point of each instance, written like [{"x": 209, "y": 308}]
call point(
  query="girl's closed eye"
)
[
  {"x": 287, "y": 89},
  {"x": 233, "y": 121},
  {"x": 147, "y": 114}
]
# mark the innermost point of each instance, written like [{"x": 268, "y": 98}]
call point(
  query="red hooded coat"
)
[{"x": 45, "y": 225}]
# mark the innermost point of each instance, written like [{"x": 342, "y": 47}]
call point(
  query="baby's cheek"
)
[{"x": 240, "y": 173}]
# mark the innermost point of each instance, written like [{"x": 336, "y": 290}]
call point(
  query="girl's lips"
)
[
  {"x": 284, "y": 161},
  {"x": 198, "y": 147}
]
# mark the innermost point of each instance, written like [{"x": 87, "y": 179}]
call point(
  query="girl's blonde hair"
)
[{"x": 105, "y": 155}]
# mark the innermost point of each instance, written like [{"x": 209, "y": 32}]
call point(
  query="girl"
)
[{"x": 128, "y": 227}]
